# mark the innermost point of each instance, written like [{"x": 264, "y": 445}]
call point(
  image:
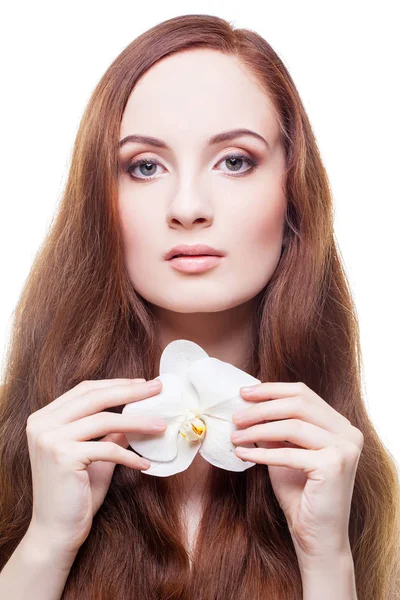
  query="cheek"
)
[
  {"x": 140, "y": 242},
  {"x": 268, "y": 229},
  {"x": 263, "y": 224},
  {"x": 135, "y": 223},
  {"x": 138, "y": 248},
  {"x": 260, "y": 229}
]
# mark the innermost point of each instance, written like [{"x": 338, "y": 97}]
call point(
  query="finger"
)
[
  {"x": 104, "y": 423},
  {"x": 78, "y": 389},
  {"x": 303, "y": 434},
  {"x": 80, "y": 456},
  {"x": 304, "y": 460},
  {"x": 117, "y": 438},
  {"x": 291, "y": 430},
  {"x": 322, "y": 415},
  {"x": 95, "y": 400},
  {"x": 277, "y": 389}
]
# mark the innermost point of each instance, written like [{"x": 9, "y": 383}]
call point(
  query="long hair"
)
[{"x": 79, "y": 318}]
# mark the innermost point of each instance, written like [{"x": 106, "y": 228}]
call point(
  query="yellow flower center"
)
[{"x": 193, "y": 428}]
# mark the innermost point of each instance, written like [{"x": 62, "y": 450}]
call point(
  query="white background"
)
[{"x": 344, "y": 59}]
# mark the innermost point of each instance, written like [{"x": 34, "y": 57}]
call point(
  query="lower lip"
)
[{"x": 194, "y": 264}]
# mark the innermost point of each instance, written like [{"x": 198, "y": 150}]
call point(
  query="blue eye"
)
[
  {"x": 240, "y": 158},
  {"x": 148, "y": 164}
]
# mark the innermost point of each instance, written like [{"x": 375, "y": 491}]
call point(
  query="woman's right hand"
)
[{"x": 70, "y": 475}]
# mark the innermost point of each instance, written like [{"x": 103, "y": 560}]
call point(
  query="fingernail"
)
[
  {"x": 145, "y": 464},
  {"x": 154, "y": 383},
  {"x": 248, "y": 389},
  {"x": 159, "y": 424},
  {"x": 242, "y": 451},
  {"x": 238, "y": 416}
]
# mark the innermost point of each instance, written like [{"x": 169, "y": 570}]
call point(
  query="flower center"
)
[{"x": 193, "y": 428}]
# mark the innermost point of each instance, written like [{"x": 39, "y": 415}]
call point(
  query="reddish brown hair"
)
[{"x": 79, "y": 318}]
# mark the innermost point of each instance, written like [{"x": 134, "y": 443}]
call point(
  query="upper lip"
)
[{"x": 196, "y": 249}]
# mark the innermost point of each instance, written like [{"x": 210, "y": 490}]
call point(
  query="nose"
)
[{"x": 190, "y": 208}]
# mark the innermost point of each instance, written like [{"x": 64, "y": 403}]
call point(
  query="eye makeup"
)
[{"x": 233, "y": 157}]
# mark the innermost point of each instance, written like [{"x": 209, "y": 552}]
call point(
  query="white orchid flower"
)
[{"x": 198, "y": 398}]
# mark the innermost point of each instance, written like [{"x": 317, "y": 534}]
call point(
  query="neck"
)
[{"x": 227, "y": 335}]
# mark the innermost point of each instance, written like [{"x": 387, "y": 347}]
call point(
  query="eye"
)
[
  {"x": 236, "y": 161},
  {"x": 146, "y": 166},
  {"x": 146, "y": 163}
]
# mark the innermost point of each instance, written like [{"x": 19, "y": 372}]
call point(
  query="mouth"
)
[
  {"x": 194, "y": 250},
  {"x": 191, "y": 255},
  {"x": 194, "y": 263}
]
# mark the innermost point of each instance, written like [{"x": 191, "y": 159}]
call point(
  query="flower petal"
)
[
  {"x": 225, "y": 409},
  {"x": 159, "y": 446},
  {"x": 185, "y": 456},
  {"x": 170, "y": 403},
  {"x": 218, "y": 449},
  {"x": 197, "y": 383},
  {"x": 179, "y": 355},
  {"x": 217, "y": 381}
]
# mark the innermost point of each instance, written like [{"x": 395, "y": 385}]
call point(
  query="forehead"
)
[{"x": 198, "y": 93}]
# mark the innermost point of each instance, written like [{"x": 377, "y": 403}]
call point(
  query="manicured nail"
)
[
  {"x": 154, "y": 383},
  {"x": 239, "y": 415},
  {"x": 248, "y": 389},
  {"x": 242, "y": 451}
]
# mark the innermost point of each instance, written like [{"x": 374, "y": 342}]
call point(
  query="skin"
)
[{"x": 184, "y": 99}]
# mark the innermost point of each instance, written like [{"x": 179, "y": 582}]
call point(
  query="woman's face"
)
[{"x": 190, "y": 192}]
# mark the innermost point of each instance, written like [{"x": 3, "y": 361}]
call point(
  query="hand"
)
[
  {"x": 312, "y": 453},
  {"x": 71, "y": 475}
]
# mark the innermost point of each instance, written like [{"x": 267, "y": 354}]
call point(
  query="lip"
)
[
  {"x": 194, "y": 264},
  {"x": 194, "y": 250}
]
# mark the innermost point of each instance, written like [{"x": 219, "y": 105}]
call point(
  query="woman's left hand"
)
[{"x": 313, "y": 475}]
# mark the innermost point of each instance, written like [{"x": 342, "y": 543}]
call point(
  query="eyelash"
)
[{"x": 143, "y": 161}]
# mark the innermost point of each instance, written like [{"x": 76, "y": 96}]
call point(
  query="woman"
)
[{"x": 318, "y": 515}]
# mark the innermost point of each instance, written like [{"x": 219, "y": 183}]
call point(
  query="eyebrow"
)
[{"x": 212, "y": 141}]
